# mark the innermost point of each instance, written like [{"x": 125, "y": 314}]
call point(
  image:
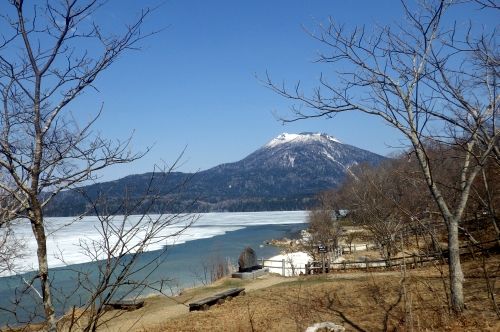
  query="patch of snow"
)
[
  {"x": 329, "y": 156},
  {"x": 349, "y": 170},
  {"x": 317, "y": 137},
  {"x": 331, "y": 138},
  {"x": 299, "y": 138},
  {"x": 295, "y": 262},
  {"x": 283, "y": 138}
]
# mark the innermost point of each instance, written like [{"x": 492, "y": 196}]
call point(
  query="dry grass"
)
[
  {"x": 360, "y": 302},
  {"x": 376, "y": 301}
]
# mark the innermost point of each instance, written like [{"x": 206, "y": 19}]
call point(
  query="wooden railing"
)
[
  {"x": 283, "y": 264},
  {"x": 412, "y": 261}
]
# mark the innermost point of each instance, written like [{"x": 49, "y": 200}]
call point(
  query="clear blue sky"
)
[{"x": 193, "y": 86}]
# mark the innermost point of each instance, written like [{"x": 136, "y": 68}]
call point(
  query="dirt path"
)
[{"x": 159, "y": 308}]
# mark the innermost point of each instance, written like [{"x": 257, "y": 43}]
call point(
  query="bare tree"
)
[
  {"x": 485, "y": 198},
  {"x": 51, "y": 53},
  {"x": 210, "y": 269},
  {"x": 121, "y": 269},
  {"x": 324, "y": 226},
  {"x": 371, "y": 198},
  {"x": 489, "y": 3},
  {"x": 429, "y": 82},
  {"x": 12, "y": 249},
  {"x": 391, "y": 202}
]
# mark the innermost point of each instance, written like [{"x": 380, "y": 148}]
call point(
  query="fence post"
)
[
  {"x": 323, "y": 263},
  {"x": 344, "y": 266},
  {"x": 283, "y": 266},
  {"x": 366, "y": 264}
]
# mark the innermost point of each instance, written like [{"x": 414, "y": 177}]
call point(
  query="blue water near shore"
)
[{"x": 182, "y": 267}]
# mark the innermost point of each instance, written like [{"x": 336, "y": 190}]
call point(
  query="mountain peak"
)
[
  {"x": 284, "y": 174},
  {"x": 302, "y": 137}
]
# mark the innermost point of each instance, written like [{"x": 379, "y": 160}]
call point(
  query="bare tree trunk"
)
[
  {"x": 43, "y": 269},
  {"x": 455, "y": 267}
]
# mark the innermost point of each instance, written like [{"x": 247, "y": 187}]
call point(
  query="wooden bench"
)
[
  {"x": 220, "y": 298},
  {"x": 129, "y": 305}
]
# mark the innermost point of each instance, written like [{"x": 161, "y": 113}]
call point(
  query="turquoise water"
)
[{"x": 178, "y": 266}]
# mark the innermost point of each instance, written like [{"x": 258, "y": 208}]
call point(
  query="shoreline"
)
[{"x": 178, "y": 259}]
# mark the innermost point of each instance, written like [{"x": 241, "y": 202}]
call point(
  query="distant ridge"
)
[{"x": 284, "y": 174}]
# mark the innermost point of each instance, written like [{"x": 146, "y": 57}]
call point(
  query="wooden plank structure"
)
[
  {"x": 129, "y": 305},
  {"x": 204, "y": 304}
]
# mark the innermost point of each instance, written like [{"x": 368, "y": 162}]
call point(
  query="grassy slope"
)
[{"x": 377, "y": 301}]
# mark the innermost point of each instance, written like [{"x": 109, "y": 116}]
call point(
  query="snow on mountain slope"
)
[{"x": 299, "y": 138}]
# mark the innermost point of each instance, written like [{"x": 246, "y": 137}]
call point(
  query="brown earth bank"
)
[{"x": 399, "y": 300}]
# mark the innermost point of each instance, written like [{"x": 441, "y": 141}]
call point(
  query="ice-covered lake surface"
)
[
  {"x": 63, "y": 243},
  {"x": 222, "y": 235}
]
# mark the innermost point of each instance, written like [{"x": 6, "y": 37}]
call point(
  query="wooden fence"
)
[
  {"x": 273, "y": 266},
  {"x": 411, "y": 261},
  {"x": 356, "y": 247}
]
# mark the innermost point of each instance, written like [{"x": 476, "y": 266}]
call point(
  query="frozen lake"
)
[
  {"x": 214, "y": 234},
  {"x": 64, "y": 249}
]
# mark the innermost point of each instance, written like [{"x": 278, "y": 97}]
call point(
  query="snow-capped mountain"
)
[
  {"x": 282, "y": 175},
  {"x": 293, "y": 164},
  {"x": 298, "y": 150}
]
